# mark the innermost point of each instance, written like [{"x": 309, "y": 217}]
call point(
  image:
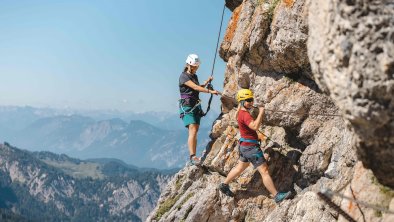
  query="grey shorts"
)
[{"x": 252, "y": 154}]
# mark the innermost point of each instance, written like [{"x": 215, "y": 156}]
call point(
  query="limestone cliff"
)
[
  {"x": 324, "y": 72},
  {"x": 44, "y": 186}
]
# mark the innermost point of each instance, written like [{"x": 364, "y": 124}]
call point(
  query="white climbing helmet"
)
[{"x": 193, "y": 60}]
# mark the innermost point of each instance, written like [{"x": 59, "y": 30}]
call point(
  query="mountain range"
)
[
  {"x": 133, "y": 139},
  {"x": 43, "y": 186}
]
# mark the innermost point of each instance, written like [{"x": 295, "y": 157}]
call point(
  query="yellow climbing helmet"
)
[{"x": 244, "y": 94}]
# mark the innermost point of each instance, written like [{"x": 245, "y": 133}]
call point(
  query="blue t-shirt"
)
[{"x": 186, "y": 90}]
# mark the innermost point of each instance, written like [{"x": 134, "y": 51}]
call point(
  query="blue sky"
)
[{"x": 124, "y": 55}]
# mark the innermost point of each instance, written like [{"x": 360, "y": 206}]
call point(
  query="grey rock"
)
[
  {"x": 287, "y": 52},
  {"x": 351, "y": 49}
]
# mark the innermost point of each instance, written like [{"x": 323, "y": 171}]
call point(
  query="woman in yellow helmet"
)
[
  {"x": 249, "y": 147},
  {"x": 190, "y": 108}
]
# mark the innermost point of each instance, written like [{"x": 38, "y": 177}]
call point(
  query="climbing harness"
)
[
  {"x": 249, "y": 141},
  {"x": 209, "y": 85},
  {"x": 188, "y": 101},
  {"x": 184, "y": 112}
]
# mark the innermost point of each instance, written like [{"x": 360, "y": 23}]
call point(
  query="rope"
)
[
  {"x": 336, "y": 207},
  {"x": 217, "y": 42},
  {"x": 329, "y": 193},
  {"x": 292, "y": 112},
  {"x": 209, "y": 85},
  {"x": 289, "y": 112}
]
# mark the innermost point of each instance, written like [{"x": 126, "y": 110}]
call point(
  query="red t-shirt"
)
[{"x": 244, "y": 119}]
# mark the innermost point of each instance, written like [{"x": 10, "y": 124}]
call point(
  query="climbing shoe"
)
[
  {"x": 279, "y": 197},
  {"x": 225, "y": 188}
]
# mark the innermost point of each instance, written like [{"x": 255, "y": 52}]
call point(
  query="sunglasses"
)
[{"x": 249, "y": 100}]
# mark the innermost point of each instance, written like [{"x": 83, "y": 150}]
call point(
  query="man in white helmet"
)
[{"x": 190, "y": 108}]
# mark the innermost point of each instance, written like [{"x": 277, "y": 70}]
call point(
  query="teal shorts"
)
[{"x": 191, "y": 118}]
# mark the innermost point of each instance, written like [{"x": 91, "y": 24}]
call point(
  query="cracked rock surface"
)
[{"x": 328, "y": 119}]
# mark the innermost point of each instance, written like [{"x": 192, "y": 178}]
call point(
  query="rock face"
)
[
  {"x": 351, "y": 47},
  {"x": 308, "y": 136},
  {"x": 232, "y": 4}
]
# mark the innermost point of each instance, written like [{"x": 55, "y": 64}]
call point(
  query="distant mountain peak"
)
[{"x": 44, "y": 186}]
